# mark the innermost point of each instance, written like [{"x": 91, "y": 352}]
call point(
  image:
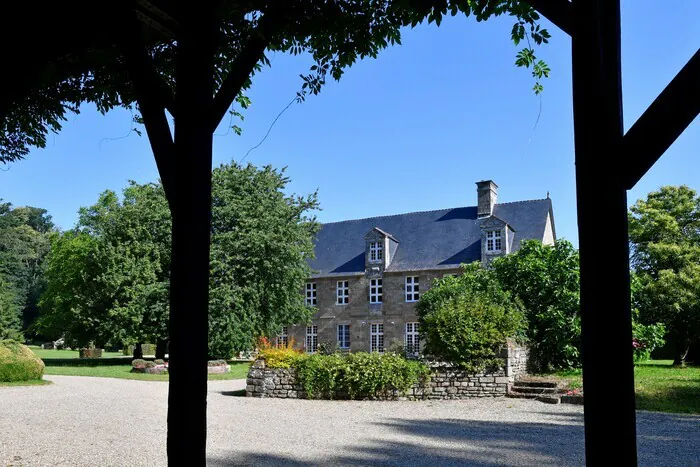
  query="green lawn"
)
[
  {"x": 47, "y": 353},
  {"x": 659, "y": 386},
  {"x": 238, "y": 371},
  {"x": 33, "y": 382}
]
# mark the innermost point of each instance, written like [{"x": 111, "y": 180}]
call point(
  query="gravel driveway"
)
[{"x": 100, "y": 421}]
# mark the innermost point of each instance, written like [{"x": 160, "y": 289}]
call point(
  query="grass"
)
[
  {"x": 238, "y": 371},
  {"x": 32, "y": 382},
  {"x": 659, "y": 386},
  {"x": 49, "y": 353}
]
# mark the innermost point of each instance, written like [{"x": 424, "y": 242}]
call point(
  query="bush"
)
[
  {"x": 138, "y": 363},
  {"x": 466, "y": 320},
  {"x": 148, "y": 349},
  {"x": 279, "y": 356},
  {"x": 160, "y": 361},
  {"x": 646, "y": 338},
  {"x": 18, "y": 362},
  {"x": 358, "y": 375}
]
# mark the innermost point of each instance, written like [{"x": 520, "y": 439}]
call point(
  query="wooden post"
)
[
  {"x": 191, "y": 216},
  {"x": 608, "y": 370}
]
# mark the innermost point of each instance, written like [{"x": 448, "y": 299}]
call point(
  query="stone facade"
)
[
  {"x": 393, "y": 313},
  {"x": 446, "y": 382}
]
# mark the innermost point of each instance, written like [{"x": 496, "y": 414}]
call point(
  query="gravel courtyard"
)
[{"x": 100, "y": 421}]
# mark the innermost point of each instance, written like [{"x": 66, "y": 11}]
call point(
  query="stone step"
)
[
  {"x": 520, "y": 395},
  {"x": 535, "y": 390},
  {"x": 543, "y": 384},
  {"x": 549, "y": 399}
]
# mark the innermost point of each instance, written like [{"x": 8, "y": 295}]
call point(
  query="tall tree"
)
[
  {"x": 108, "y": 279},
  {"x": 24, "y": 245},
  {"x": 665, "y": 237}
]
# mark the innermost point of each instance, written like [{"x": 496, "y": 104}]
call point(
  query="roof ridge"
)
[
  {"x": 396, "y": 215},
  {"x": 427, "y": 211},
  {"x": 523, "y": 201}
]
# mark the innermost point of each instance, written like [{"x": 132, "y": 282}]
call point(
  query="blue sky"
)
[{"x": 410, "y": 131}]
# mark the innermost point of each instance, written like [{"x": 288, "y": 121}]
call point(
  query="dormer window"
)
[
  {"x": 376, "y": 252},
  {"x": 493, "y": 241}
]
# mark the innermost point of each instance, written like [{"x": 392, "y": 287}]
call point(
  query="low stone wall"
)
[{"x": 446, "y": 382}]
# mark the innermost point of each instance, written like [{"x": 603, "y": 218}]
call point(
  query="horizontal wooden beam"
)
[
  {"x": 662, "y": 123},
  {"x": 559, "y": 12}
]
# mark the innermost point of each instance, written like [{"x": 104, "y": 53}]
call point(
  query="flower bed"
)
[
  {"x": 217, "y": 367},
  {"x": 156, "y": 367}
]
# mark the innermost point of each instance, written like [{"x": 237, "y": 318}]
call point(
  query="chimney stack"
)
[{"x": 487, "y": 192}]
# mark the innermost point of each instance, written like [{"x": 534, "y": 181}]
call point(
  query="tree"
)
[
  {"x": 9, "y": 314},
  {"x": 23, "y": 247},
  {"x": 467, "y": 319},
  {"x": 112, "y": 271},
  {"x": 665, "y": 236},
  {"x": 261, "y": 239},
  {"x": 546, "y": 279}
]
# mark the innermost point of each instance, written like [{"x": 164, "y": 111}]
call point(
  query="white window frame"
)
[
  {"x": 283, "y": 337},
  {"x": 494, "y": 239},
  {"x": 376, "y": 252},
  {"x": 376, "y": 337},
  {"x": 376, "y": 290},
  {"x": 311, "y": 342},
  {"x": 412, "y": 338},
  {"x": 412, "y": 288},
  {"x": 343, "y": 332},
  {"x": 310, "y": 297},
  {"x": 342, "y": 293}
]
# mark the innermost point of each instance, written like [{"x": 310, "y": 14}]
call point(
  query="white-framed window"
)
[
  {"x": 376, "y": 252},
  {"x": 283, "y": 337},
  {"x": 310, "y": 294},
  {"x": 342, "y": 293},
  {"x": 311, "y": 338},
  {"x": 376, "y": 337},
  {"x": 412, "y": 289},
  {"x": 344, "y": 336},
  {"x": 375, "y": 291},
  {"x": 493, "y": 241},
  {"x": 412, "y": 339}
]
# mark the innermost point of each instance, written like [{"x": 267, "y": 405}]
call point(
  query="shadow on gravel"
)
[
  {"x": 663, "y": 439},
  {"x": 441, "y": 442},
  {"x": 239, "y": 393}
]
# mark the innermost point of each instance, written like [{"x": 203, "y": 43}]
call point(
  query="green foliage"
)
[
  {"x": 665, "y": 235},
  {"x": 24, "y": 244},
  {"x": 18, "y": 363},
  {"x": 466, "y": 320},
  {"x": 358, "y": 375},
  {"x": 279, "y": 356},
  {"x": 646, "y": 338},
  {"x": 546, "y": 280},
  {"x": 261, "y": 239},
  {"x": 335, "y": 34}
]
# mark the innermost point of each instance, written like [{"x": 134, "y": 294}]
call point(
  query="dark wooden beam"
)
[
  {"x": 662, "y": 123},
  {"x": 191, "y": 220},
  {"x": 559, "y": 12},
  {"x": 606, "y": 325}
]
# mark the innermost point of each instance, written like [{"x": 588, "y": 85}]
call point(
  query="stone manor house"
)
[{"x": 370, "y": 273}]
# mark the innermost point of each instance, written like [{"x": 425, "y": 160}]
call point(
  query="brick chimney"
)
[{"x": 487, "y": 192}]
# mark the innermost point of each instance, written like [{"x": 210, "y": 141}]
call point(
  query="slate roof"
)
[{"x": 441, "y": 239}]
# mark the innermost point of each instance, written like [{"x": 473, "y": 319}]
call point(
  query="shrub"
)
[
  {"x": 358, "y": 375},
  {"x": 279, "y": 356},
  {"x": 160, "y": 361},
  {"x": 466, "y": 320},
  {"x": 148, "y": 349},
  {"x": 546, "y": 280},
  {"x": 18, "y": 362},
  {"x": 646, "y": 338},
  {"x": 138, "y": 363}
]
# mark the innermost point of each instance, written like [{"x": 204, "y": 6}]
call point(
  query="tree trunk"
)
[
  {"x": 138, "y": 351},
  {"x": 191, "y": 219},
  {"x": 161, "y": 349},
  {"x": 682, "y": 346}
]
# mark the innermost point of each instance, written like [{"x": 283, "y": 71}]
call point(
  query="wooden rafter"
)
[{"x": 662, "y": 123}]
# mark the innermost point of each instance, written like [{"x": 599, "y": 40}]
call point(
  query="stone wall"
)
[{"x": 447, "y": 382}]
